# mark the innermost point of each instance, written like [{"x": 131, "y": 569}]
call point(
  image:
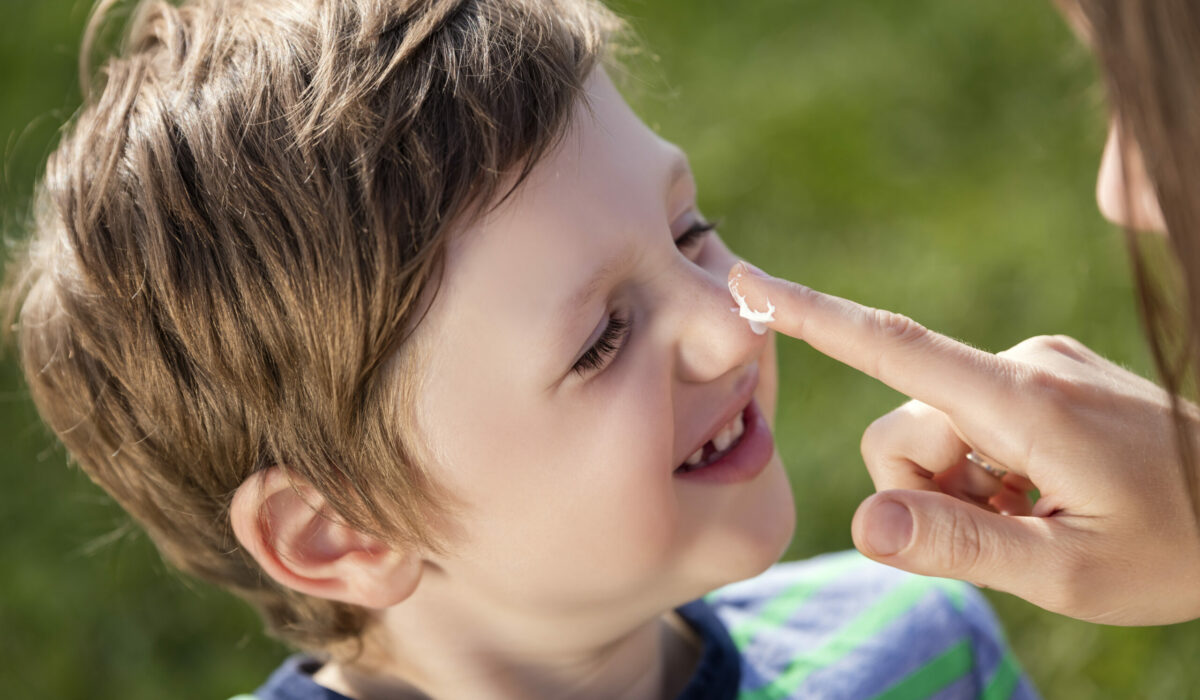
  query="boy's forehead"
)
[
  {"x": 574, "y": 216},
  {"x": 604, "y": 139},
  {"x": 603, "y": 175}
]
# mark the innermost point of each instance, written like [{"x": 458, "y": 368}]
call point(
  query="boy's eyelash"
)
[
  {"x": 614, "y": 333},
  {"x": 604, "y": 348},
  {"x": 692, "y": 236}
]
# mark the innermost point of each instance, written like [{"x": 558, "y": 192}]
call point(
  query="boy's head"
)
[{"x": 403, "y": 294}]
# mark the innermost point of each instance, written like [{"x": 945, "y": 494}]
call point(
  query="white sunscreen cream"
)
[{"x": 757, "y": 319}]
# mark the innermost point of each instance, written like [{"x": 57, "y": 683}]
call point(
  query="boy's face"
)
[{"x": 571, "y": 505}]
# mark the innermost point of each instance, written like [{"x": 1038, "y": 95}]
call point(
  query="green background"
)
[{"x": 935, "y": 157}]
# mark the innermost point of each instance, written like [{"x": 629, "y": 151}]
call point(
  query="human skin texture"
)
[
  {"x": 571, "y": 532},
  {"x": 1123, "y": 190},
  {"x": 1113, "y": 536}
]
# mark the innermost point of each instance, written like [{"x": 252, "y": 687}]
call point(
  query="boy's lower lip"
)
[{"x": 748, "y": 457}]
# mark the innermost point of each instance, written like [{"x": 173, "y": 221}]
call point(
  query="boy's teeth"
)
[
  {"x": 723, "y": 439},
  {"x": 730, "y": 433}
]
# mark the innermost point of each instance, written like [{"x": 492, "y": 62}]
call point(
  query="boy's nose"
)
[{"x": 713, "y": 338}]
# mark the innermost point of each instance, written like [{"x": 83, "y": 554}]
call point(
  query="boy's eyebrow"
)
[{"x": 584, "y": 294}]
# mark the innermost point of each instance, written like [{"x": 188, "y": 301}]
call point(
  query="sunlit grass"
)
[{"x": 934, "y": 157}]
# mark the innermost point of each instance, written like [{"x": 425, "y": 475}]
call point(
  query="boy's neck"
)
[{"x": 653, "y": 662}]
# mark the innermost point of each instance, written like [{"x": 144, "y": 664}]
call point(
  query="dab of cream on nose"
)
[{"x": 757, "y": 319}]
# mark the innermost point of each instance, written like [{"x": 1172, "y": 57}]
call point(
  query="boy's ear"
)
[{"x": 286, "y": 526}]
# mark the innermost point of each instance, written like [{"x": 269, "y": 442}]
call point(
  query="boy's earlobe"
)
[{"x": 286, "y": 526}]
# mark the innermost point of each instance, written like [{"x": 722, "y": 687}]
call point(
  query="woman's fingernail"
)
[
  {"x": 889, "y": 527},
  {"x": 754, "y": 270},
  {"x": 745, "y": 269}
]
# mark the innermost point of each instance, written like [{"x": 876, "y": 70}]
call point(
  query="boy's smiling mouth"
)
[
  {"x": 725, "y": 440},
  {"x": 737, "y": 449}
]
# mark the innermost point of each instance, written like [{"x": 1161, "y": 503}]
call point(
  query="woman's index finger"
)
[{"x": 919, "y": 363}]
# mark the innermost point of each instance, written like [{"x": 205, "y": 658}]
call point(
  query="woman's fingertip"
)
[{"x": 887, "y": 527}]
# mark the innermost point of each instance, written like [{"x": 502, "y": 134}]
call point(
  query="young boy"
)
[{"x": 391, "y": 317}]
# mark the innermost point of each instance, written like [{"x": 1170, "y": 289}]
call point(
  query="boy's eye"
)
[
  {"x": 692, "y": 237},
  {"x": 613, "y": 336},
  {"x": 607, "y": 345}
]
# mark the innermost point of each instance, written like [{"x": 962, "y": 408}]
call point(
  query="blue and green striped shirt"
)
[
  {"x": 835, "y": 627},
  {"x": 842, "y": 626}
]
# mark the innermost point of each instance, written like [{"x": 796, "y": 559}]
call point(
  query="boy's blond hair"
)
[{"x": 238, "y": 231}]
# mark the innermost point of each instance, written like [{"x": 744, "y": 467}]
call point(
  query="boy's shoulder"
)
[{"x": 843, "y": 626}]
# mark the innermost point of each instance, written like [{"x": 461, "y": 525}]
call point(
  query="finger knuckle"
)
[
  {"x": 896, "y": 326},
  {"x": 1078, "y": 351},
  {"x": 1048, "y": 390},
  {"x": 1048, "y": 405},
  {"x": 1056, "y": 342},
  {"x": 1032, "y": 346},
  {"x": 898, "y": 330},
  {"x": 1046, "y": 346},
  {"x": 959, "y": 542},
  {"x": 1067, "y": 346},
  {"x": 1039, "y": 380},
  {"x": 876, "y": 437},
  {"x": 1022, "y": 349},
  {"x": 1066, "y": 343}
]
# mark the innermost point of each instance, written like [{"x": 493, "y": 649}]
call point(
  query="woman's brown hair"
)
[
  {"x": 1149, "y": 54},
  {"x": 238, "y": 230}
]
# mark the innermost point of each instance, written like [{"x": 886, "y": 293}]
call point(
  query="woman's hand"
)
[{"x": 1113, "y": 536}]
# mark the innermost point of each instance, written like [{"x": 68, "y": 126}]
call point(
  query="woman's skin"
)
[{"x": 1112, "y": 538}]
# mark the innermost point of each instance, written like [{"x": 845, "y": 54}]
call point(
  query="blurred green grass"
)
[{"x": 933, "y": 157}]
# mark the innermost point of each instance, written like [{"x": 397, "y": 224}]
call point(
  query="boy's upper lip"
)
[{"x": 743, "y": 393}]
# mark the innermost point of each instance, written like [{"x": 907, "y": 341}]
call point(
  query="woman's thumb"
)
[{"x": 934, "y": 534}]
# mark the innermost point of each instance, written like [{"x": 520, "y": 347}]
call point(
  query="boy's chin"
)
[
  {"x": 774, "y": 530},
  {"x": 760, "y": 538}
]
